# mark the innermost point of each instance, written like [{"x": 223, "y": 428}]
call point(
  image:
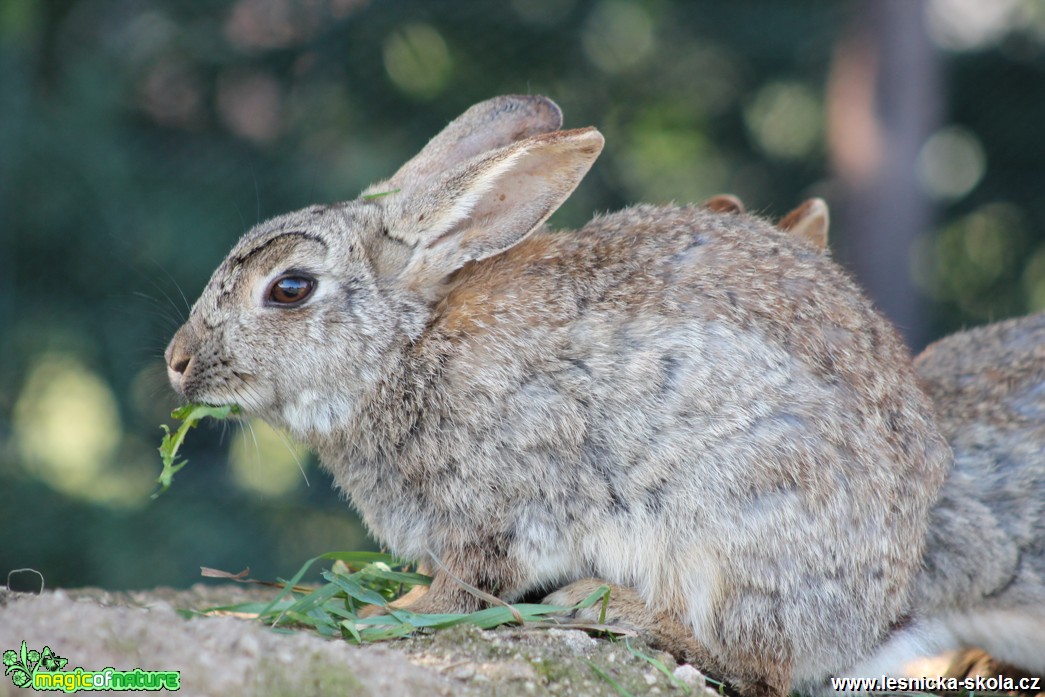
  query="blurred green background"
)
[{"x": 140, "y": 138}]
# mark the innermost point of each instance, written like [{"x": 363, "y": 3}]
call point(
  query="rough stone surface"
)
[{"x": 227, "y": 655}]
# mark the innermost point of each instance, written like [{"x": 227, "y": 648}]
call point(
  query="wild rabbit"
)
[
  {"x": 981, "y": 586},
  {"x": 695, "y": 405}
]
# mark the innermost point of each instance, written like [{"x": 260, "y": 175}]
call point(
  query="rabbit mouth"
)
[{"x": 242, "y": 393}]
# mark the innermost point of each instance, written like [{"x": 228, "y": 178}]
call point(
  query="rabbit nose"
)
[
  {"x": 178, "y": 356},
  {"x": 179, "y": 364}
]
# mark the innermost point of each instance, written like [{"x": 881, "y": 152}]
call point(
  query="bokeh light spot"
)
[
  {"x": 265, "y": 461},
  {"x": 785, "y": 119},
  {"x": 1034, "y": 281},
  {"x": 963, "y": 25},
  {"x": 617, "y": 35},
  {"x": 68, "y": 432},
  {"x": 418, "y": 60},
  {"x": 973, "y": 255},
  {"x": 951, "y": 163}
]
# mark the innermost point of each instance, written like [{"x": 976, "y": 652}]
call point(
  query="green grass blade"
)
[
  {"x": 289, "y": 585},
  {"x": 609, "y": 679},
  {"x": 355, "y": 589},
  {"x": 659, "y": 665}
]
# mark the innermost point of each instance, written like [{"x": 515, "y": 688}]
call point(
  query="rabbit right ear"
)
[
  {"x": 485, "y": 205},
  {"x": 484, "y": 127}
]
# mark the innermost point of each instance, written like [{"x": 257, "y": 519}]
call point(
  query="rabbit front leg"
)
[{"x": 458, "y": 573}]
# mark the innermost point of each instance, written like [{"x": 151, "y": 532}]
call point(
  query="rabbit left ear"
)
[
  {"x": 724, "y": 203},
  {"x": 486, "y": 126},
  {"x": 488, "y": 204}
]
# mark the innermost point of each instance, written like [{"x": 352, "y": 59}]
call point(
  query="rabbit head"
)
[{"x": 316, "y": 297}]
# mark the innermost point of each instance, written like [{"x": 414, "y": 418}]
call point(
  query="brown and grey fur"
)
[
  {"x": 983, "y": 579},
  {"x": 983, "y": 585},
  {"x": 693, "y": 404}
]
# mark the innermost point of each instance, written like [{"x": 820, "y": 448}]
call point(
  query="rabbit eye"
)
[{"x": 290, "y": 290}]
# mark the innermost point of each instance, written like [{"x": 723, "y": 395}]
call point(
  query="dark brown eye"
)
[{"x": 290, "y": 289}]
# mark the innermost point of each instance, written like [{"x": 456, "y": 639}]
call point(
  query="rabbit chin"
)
[{"x": 310, "y": 414}]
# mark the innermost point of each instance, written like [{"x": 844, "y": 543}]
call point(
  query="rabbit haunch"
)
[{"x": 694, "y": 404}]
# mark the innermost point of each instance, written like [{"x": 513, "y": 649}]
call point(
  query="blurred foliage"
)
[{"x": 140, "y": 138}]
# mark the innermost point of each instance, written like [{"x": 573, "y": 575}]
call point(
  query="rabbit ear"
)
[
  {"x": 488, "y": 204},
  {"x": 486, "y": 126},
  {"x": 810, "y": 221},
  {"x": 724, "y": 203}
]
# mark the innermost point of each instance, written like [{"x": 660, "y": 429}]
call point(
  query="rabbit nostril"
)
[{"x": 180, "y": 364}]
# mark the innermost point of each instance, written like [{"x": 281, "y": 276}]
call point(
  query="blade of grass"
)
[
  {"x": 290, "y": 585},
  {"x": 659, "y": 665},
  {"x": 355, "y": 589},
  {"x": 609, "y": 678}
]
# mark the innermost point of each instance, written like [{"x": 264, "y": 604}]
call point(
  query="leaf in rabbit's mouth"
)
[
  {"x": 189, "y": 415},
  {"x": 380, "y": 194}
]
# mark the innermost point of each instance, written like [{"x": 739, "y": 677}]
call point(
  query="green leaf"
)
[
  {"x": 382, "y": 194},
  {"x": 355, "y": 589},
  {"x": 51, "y": 662},
  {"x": 404, "y": 577},
  {"x": 189, "y": 415}
]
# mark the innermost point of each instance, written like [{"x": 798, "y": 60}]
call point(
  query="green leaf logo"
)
[
  {"x": 20, "y": 665},
  {"x": 50, "y": 661},
  {"x": 19, "y": 677}
]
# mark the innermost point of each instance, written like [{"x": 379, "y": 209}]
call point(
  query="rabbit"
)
[
  {"x": 692, "y": 404},
  {"x": 982, "y": 583}
]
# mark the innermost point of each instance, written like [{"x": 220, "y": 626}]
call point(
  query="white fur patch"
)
[
  {"x": 1013, "y": 636},
  {"x": 635, "y": 555},
  {"x": 894, "y": 656},
  {"x": 311, "y": 412}
]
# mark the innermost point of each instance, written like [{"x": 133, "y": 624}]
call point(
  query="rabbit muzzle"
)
[{"x": 179, "y": 358}]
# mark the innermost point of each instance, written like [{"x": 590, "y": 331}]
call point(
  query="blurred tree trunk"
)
[{"x": 884, "y": 101}]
